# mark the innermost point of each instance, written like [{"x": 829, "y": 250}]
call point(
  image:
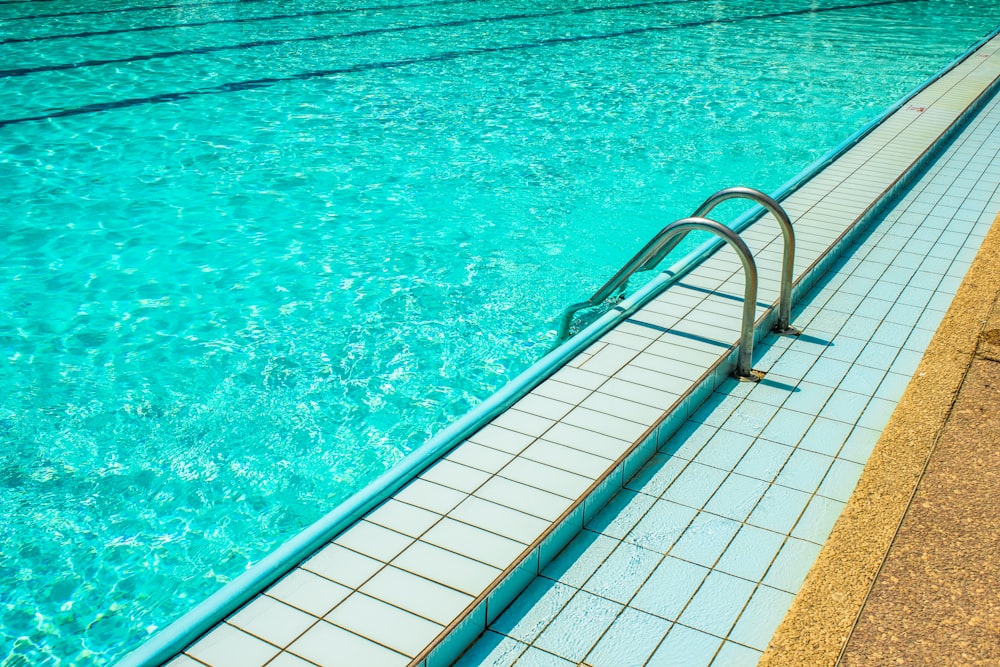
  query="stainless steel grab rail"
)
[
  {"x": 647, "y": 259},
  {"x": 681, "y": 227},
  {"x": 783, "y": 325}
]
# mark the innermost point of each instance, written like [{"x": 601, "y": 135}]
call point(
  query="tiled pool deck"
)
[
  {"x": 910, "y": 573},
  {"x": 701, "y": 550}
]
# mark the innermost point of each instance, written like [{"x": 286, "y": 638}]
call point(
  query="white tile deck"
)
[{"x": 423, "y": 575}]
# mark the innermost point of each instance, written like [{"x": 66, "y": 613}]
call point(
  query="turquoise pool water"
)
[{"x": 255, "y": 252}]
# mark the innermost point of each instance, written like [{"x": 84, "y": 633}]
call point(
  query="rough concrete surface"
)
[{"x": 934, "y": 601}]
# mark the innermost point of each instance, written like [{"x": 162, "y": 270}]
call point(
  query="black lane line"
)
[
  {"x": 147, "y": 8},
  {"x": 440, "y": 57},
  {"x": 203, "y": 50},
  {"x": 249, "y": 19},
  {"x": 121, "y": 10}
]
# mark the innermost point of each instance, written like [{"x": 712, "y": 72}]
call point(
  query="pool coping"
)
[
  {"x": 821, "y": 620},
  {"x": 451, "y": 641}
]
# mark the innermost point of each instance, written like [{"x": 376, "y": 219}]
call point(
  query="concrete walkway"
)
[{"x": 911, "y": 573}]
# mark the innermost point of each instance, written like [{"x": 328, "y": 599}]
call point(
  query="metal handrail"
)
[
  {"x": 681, "y": 227},
  {"x": 646, "y": 260},
  {"x": 783, "y": 325},
  {"x": 620, "y": 278}
]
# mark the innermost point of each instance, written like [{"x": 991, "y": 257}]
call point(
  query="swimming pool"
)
[{"x": 256, "y": 252}]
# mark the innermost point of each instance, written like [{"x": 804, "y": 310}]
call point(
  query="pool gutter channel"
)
[{"x": 458, "y": 634}]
